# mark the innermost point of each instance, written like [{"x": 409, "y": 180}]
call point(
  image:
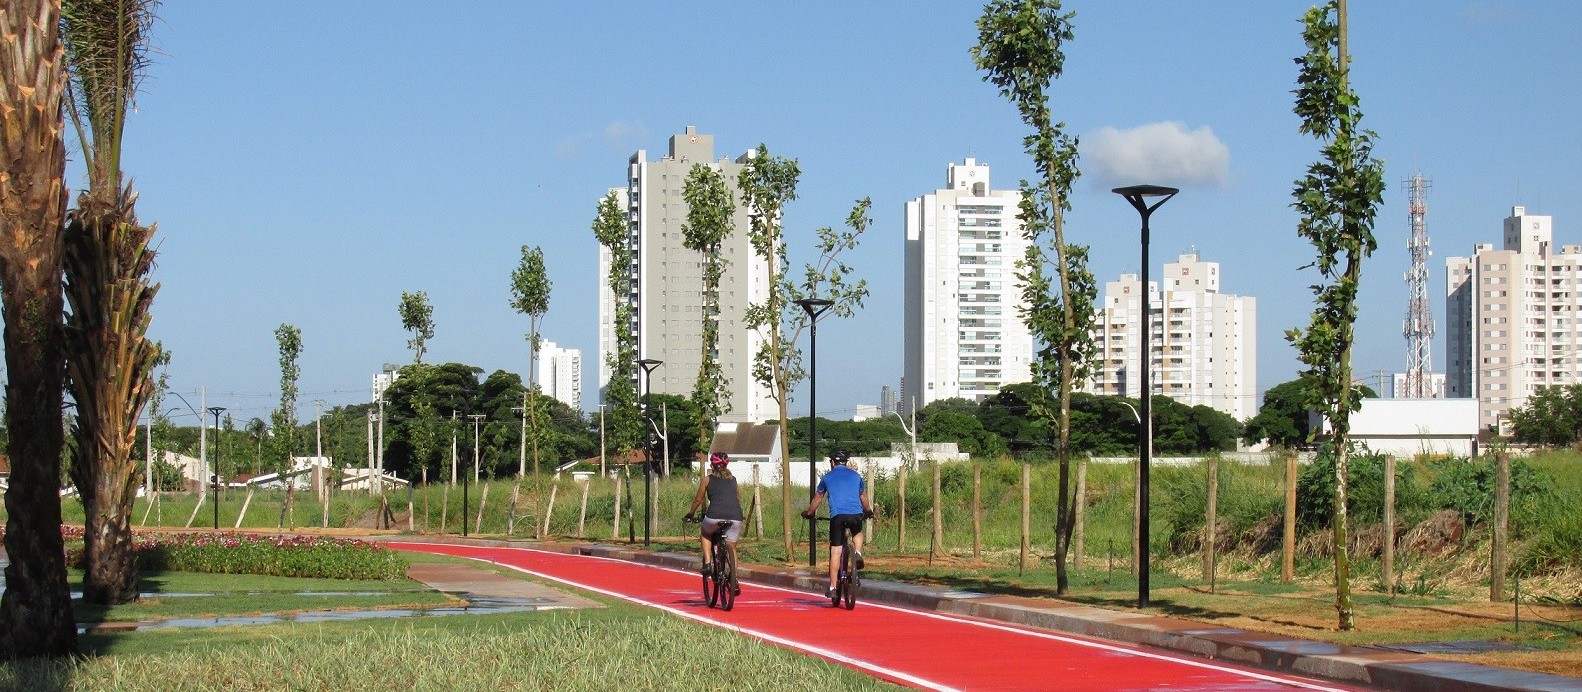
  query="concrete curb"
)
[{"x": 1368, "y": 665}]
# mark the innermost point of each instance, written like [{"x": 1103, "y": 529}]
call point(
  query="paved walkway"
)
[
  {"x": 477, "y": 585},
  {"x": 1373, "y": 666}
]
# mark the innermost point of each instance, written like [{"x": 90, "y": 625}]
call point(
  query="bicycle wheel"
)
[
  {"x": 848, "y": 586},
  {"x": 711, "y": 591},
  {"x": 726, "y": 587}
]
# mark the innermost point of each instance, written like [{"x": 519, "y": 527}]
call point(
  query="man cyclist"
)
[
  {"x": 718, "y": 486},
  {"x": 848, "y": 506}
]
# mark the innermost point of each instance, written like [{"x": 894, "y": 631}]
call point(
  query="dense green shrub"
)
[
  {"x": 1467, "y": 486},
  {"x": 1315, "y": 489},
  {"x": 281, "y": 556}
]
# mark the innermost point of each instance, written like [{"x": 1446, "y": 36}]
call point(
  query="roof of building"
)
[{"x": 746, "y": 438}]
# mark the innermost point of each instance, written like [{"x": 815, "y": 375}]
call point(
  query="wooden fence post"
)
[
  {"x": 1027, "y": 515},
  {"x": 582, "y": 514},
  {"x": 937, "y": 541},
  {"x": 1389, "y": 524},
  {"x": 549, "y": 510},
  {"x": 1210, "y": 521},
  {"x": 1288, "y": 535},
  {"x": 615, "y": 530},
  {"x": 1502, "y": 518},
  {"x": 977, "y": 510},
  {"x": 900, "y": 524},
  {"x": 1078, "y": 532}
]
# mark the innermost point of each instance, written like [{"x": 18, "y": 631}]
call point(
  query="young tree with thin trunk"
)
[
  {"x": 530, "y": 286},
  {"x": 109, "y": 357},
  {"x": 1020, "y": 46},
  {"x": 622, "y": 422},
  {"x": 35, "y": 610},
  {"x": 1337, "y": 200},
  {"x": 284, "y": 418},
  {"x": 417, "y": 316},
  {"x": 709, "y": 212},
  {"x": 767, "y": 184}
]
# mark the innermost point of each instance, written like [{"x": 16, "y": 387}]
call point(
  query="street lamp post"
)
[
  {"x": 214, "y": 478},
  {"x": 1138, "y": 196},
  {"x": 648, "y": 365},
  {"x": 813, "y": 307}
]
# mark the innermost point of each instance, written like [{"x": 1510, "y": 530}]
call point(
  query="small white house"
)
[{"x": 1408, "y": 427}]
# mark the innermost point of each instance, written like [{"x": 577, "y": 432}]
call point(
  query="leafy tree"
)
[
  {"x": 1282, "y": 420},
  {"x": 709, "y": 212},
  {"x": 623, "y": 427},
  {"x": 1337, "y": 201},
  {"x": 35, "y": 610},
  {"x": 109, "y": 357},
  {"x": 1550, "y": 416},
  {"x": 421, "y": 410},
  {"x": 417, "y": 316},
  {"x": 530, "y": 286},
  {"x": 767, "y": 184},
  {"x": 1020, "y": 47},
  {"x": 1010, "y": 414}
]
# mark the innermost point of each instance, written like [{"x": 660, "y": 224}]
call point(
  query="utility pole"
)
[
  {"x": 381, "y": 450},
  {"x": 203, "y": 440},
  {"x": 371, "y": 417},
  {"x": 601, "y": 440},
  {"x": 453, "y": 455},
  {"x": 521, "y": 464},
  {"x": 318, "y": 432},
  {"x": 477, "y": 419}
]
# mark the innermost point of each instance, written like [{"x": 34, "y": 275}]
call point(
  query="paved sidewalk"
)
[{"x": 1376, "y": 666}]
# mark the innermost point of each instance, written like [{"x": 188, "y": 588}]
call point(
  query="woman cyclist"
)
[{"x": 724, "y": 504}]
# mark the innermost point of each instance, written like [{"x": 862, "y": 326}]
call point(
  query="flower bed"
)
[{"x": 279, "y": 556}]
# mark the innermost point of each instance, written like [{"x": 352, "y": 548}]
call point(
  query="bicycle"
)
[
  {"x": 719, "y": 581},
  {"x": 848, "y": 579}
]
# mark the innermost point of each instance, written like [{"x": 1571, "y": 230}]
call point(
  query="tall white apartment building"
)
[
  {"x": 963, "y": 336},
  {"x": 1511, "y": 317},
  {"x": 666, "y": 292},
  {"x": 1204, "y": 342},
  {"x": 560, "y": 373}
]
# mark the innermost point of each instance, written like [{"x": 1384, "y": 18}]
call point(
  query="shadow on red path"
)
[{"x": 910, "y": 647}]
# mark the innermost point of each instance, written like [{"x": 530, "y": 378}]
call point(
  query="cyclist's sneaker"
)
[
  {"x": 829, "y": 592},
  {"x": 858, "y": 556}
]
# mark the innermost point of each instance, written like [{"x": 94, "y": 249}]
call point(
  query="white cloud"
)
[
  {"x": 1157, "y": 154},
  {"x": 621, "y": 137}
]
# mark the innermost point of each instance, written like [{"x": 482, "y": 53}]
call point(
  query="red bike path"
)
[{"x": 916, "y": 648}]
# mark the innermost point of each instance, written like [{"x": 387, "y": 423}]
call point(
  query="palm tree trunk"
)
[{"x": 35, "y": 610}]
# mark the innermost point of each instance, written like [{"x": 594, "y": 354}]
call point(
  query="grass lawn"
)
[{"x": 619, "y": 645}]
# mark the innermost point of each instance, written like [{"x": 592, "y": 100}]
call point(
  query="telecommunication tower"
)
[{"x": 1419, "y": 327}]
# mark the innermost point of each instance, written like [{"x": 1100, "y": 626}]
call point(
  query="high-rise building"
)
[
  {"x": 384, "y": 378},
  {"x": 1511, "y": 317},
  {"x": 667, "y": 282},
  {"x": 1204, "y": 342},
  {"x": 963, "y": 337},
  {"x": 560, "y": 373},
  {"x": 886, "y": 400}
]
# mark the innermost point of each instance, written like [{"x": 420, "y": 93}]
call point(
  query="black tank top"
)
[{"x": 724, "y": 502}]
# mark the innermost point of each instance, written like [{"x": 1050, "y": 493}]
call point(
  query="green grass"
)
[{"x": 614, "y": 647}]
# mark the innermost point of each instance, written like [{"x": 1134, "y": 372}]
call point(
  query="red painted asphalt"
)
[{"x": 910, "y": 647}]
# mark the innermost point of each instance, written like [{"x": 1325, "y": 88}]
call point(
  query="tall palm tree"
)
[
  {"x": 109, "y": 357},
  {"x": 35, "y": 611}
]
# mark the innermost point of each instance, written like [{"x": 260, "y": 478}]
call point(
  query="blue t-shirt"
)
[{"x": 843, "y": 486}]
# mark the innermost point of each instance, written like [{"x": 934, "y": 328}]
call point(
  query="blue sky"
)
[{"x": 306, "y": 162}]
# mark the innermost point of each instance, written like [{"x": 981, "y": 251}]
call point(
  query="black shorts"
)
[{"x": 838, "y": 524}]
